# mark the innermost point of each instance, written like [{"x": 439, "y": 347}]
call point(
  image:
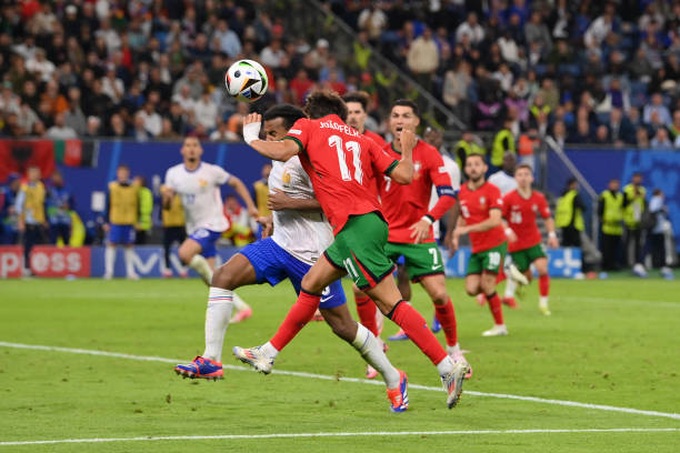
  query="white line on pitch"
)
[
  {"x": 532, "y": 399},
  {"x": 313, "y": 435}
]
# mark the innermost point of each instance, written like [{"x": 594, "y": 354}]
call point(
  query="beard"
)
[{"x": 476, "y": 178}]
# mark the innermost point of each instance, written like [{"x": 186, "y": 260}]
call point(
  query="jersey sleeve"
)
[
  {"x": 220, "y": 175},
  {"x": 439, "y": 174},
  {"x": 170, "y": 180},
  {"x": 543, "y": 208},
  {"x": 299, "y": 133},
  {"x": 454, "y": 172},
  {"x": 382, "y": 161},
  {"x": 495, "y": 197}
]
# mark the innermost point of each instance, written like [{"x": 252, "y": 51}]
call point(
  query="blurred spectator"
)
[
  {"x": 59, "y": 205},
  {"x": 242, "y": 227},
  {"x": 222, "y": 133},
  {"x": 610, "y": 212},
  {"x": 423, "y": 59},
  {"x": 30, "y": 207},
  {"x": 205, "y": 112},
  {"x": 642, "y": 137},
  {"x": 117, "y": 127},
  {"x": 559, "y": 133},
  {"x": 167, "y": 132},
  {"x": 9, "y": 102},
  {"x": 634, "y": 205},
  {"x": 74, "y": 116},
  {"x": 373, "y": 20},
  {"x": 228, "y": 41},
  {"x": 471, "y": 29},
  {"x": 300, "y": 86},
  {"x": 97, "y": 103},
  {"x": 601, "y": 136},
  {"x": 657, "y": 229},
  {"x": 261, "y": 191},
  {"x": 139, "y": 131},
  {"x": 528, "y": 146},
  {"x": 661, "y": 140},
  {"x": 9, "y": 218},
  {"x": 457, "y": 84},
  {"x": 93, "y": 127},
  {"x": 144, "y": 221},
  {"x": 656, "y": 105},
  {"x": 569, "y": 214},
  {"x": 40, "y": 66},
  {"x": 273, "y": 54},
  {"x": 27, "y": 119},
  {"x": 60, "y": 130},
  {"x": 150, "y": 118},
  {"x": 468, "y": 144},
  {"x": 621, "y": 130},
  {"x": 537, "y": 33},
  {"x": 112, "y": 85},
  {"x": 601, "y": 27}
]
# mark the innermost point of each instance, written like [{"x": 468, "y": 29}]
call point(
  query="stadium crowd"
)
[{"x": 584, "y": 72}]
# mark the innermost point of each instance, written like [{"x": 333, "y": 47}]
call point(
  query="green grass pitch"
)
[{"x": 86, "y": 365}]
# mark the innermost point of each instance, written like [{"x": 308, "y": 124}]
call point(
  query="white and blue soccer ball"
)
[{"x": 246, "y": 80}]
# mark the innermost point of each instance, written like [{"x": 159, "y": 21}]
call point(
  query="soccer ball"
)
[{"x": 246, "y": 80}]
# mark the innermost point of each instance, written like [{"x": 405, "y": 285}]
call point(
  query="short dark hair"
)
[
  {"x": 287, "y": 112},
  {"x": 480, "y": 155},
  {"x": 407, "y": 103},
  {"x": 361, "y": 97},
  {"x": 322, "y": 103},
  {"x": 525, "y": 165}
]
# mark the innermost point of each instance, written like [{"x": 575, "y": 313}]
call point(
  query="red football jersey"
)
[
  {"x": 382, "y": 144},
  {"x": 342, "y": 165},
  {"x": 475, "y": 206},
  {"x": 404, "y": 205},
  {"x": 377, "y": 138},
  {"x": 520, "y": 213}
]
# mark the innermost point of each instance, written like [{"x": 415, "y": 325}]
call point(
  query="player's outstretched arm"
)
[{"x": 280, "y": 150}]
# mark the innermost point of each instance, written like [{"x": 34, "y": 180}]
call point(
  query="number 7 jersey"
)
[{"x": 342, "y": 165}]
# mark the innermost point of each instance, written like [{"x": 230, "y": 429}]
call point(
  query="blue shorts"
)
[
  {"x": 121, "y": 234},
  {"x": 273, "y": 264},
  {"x": 207, "y": 239}
]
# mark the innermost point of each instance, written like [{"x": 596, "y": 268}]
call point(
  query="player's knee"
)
[
  {"x": 343, "y": 328},
  {"x": 311, "y": 285},
  {"x": 472, "y": 290},
  {"x": 440, "y": 297},
  {"x": 224, "y": 279},
  {"x": 185, "y": 255}
]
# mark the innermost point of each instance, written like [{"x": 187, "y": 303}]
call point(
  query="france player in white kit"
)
[
  {"x": 300, "y": 235},
  {"x": 198, "y": 184}
]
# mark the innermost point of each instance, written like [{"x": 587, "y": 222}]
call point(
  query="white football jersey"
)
[
  {"x": 201, "y": 196},
  {"x": 303, "y": 234},
  {"x": 503, "y": 181},
  {"x": 453, "y": 171}
]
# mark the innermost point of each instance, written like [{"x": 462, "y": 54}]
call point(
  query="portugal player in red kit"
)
[
  {"x": 481, "y": 218},
  {"x": 343, "y": 166},
  {"x": 410, "y": 219},
  {"x": 521, "y": 207}
]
